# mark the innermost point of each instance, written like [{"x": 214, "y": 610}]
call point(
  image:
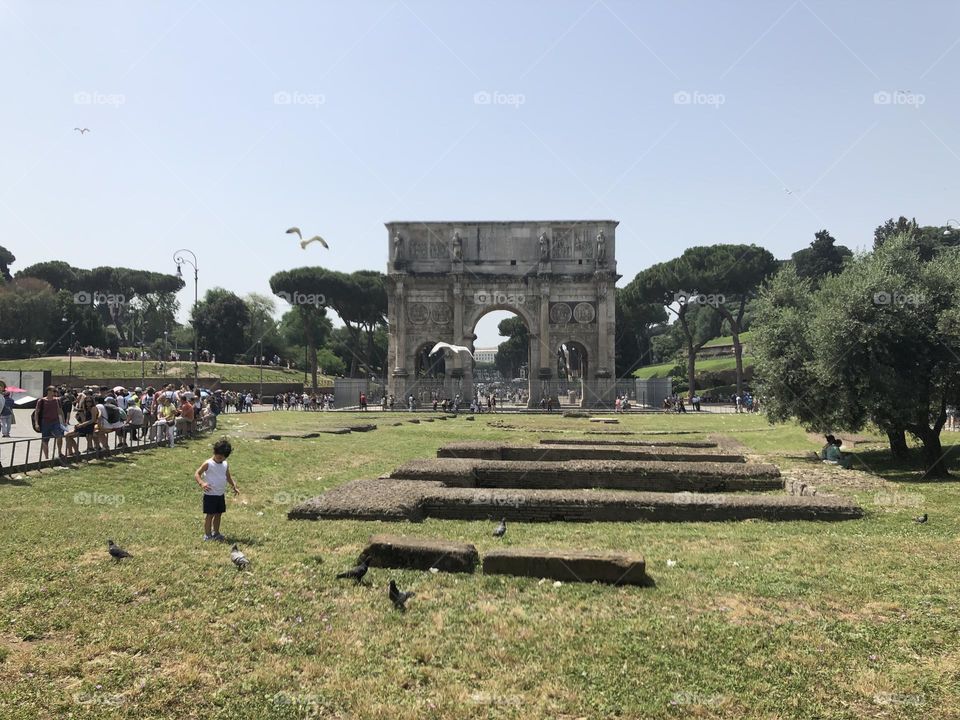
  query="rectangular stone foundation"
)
[
  {"x": 554, "y": 452},
  {"x": 567, "y": 565},
  {"x": 705, "y": 444},
  {"x": 397, "y": 551},
  {"x": 391, "y": 500},
  {"x": 607, "y": 474}
]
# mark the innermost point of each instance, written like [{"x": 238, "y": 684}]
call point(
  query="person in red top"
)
[
  {"x": 48, "y": 421},
  {"x": 185, "y": 421}
]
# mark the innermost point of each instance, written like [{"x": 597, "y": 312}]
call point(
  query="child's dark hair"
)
[{"x": 222, "y": 447}]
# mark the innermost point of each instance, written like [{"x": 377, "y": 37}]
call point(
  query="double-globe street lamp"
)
[{"x": 179, "y": 259}]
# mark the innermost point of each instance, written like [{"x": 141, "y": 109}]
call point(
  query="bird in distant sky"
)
[
  {"x": 447, "y": 346},
  {"x": 82, "y": 130},
  {"x": 296, "y": 230},
  {"x": 315, "y": 238}
]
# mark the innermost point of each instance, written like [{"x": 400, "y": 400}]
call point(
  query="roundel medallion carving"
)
[
  {"x": 560, "y": 313},
  {"x": 584, "y": 313},
  {"x": 441, "y": 314},
  {"x": 418, "y": 313}
]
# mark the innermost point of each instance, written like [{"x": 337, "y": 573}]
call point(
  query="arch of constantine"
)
[{"x": 557, "y": 276}]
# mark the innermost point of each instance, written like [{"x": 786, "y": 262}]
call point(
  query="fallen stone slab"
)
[
  {"x": 361, "y": 428},
  {"x": 554, "y": 452},
  {"x": 609, "y": 474},
  {"x": 617, "y": 442},
  {"x": 413, "y": 421},
  {"x": 567, "y": 565},
  {"x": 400, "y": 551},
  {"x": 391, "y": 500},
  {"x": 335, "y": 431},
  {"x": 576, "y": 414},
  {"x": 605, "y": 421}
]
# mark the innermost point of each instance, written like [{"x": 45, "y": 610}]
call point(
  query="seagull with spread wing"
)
[
  {"x": 453, "y": 348},
  {"x": 315, "y": 238},
  {"x": 303, "y": 243},
  {"x": 82, "y": 130}
]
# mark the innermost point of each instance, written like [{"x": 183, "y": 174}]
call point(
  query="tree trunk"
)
[
  {"x": 738, "y": 356},
  {"x": 898, "y": 444},
  {"x": 734, "y": 323},
  {"x": 691, "y": 352},
  {"x": 934, "y": 460},
  {"x": 691, "y": 369}
]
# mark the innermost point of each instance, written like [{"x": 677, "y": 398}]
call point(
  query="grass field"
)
[
  {"x": 93, "y": 369},
  {"x": 755, "y": 619},
  {"x": 715, "y": 364},
  {"x": 728, "y": 340}
]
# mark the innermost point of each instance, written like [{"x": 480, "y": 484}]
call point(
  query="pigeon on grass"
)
[
  {"x": 356, "y": 573},
  {"x": 398, "y": 598},
  {"x": 117, "y": 552},
  {"x": 238, "y": 558}
]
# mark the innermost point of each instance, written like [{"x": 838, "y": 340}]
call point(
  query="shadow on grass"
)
[
  {"x": 11, "y": 480},
  {"x": 908, "y": 470}
]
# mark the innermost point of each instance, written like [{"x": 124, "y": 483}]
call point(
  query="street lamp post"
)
[
  {"x": 260, "y": 360},
  {"x": 179, "y": 259}
]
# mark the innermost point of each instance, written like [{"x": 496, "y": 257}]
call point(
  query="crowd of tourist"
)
[
  {"x": 94, "y": 413},
  {"x": 303, "y": 401}
]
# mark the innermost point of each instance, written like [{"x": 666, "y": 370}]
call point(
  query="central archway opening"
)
[{"x": 501, "y": 359}]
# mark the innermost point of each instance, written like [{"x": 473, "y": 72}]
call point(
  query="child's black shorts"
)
[{"x": 214, "y": 504}]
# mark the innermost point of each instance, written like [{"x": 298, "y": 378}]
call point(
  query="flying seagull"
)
[
  {"x": 356, "y": 573},
  {"x": 238, "y": 558},
  {"x": 296, "y": 230},
  {"x": 455, "y": 348},
  {"x": 398, "y": 598},
  {"x": 117, "y": 552},
  {"x": 922, "y": 519},
  {"x": 82, "y": 130},
  {"x": 501, "y": 529},
  {"x": 315, "y": 238}
]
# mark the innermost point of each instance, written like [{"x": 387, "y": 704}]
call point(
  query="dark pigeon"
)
[
  {"x": 356, "y": 573},
  {"x": 922, "y": 519},
  {"x": 398, "y": 598},
  {"x": 501, "y": 529},
  {"x": 117, "y": 552}
]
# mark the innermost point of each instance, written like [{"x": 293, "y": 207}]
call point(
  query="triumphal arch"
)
[{"x": 557, "y": 276}]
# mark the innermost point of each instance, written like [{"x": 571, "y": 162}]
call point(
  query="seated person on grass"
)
[{"x": 834, "y": 456}]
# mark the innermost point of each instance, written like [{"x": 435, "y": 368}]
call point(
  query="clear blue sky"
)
[{"x": 783, "y": 134}]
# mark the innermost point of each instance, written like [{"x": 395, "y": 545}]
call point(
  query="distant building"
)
[{"x": 484, "y": 355}]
